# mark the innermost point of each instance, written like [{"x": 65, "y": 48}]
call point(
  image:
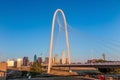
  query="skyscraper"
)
[
  {"x": 46, "y": 60},
  {"x": 35, "y": 58},
  {"x": 53, "y": 60},
  {"x": 67, "y": 62},
  {"x": 39, "y": 60},
  {"x": 25, "y": 61},
  {"x": 63, "y": 57},
  {"x": 19, "y": 62},
  {"x": 103, "y": 55},
  {"x": 56, "y": 61}
]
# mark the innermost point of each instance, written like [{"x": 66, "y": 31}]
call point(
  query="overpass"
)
[{"x": 95, "y": 65}]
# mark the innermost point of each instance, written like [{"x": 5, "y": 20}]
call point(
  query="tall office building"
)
[
  {"x": 60, "y": 61},
  {"x": 25, "y": 61},
  {"x": 35, "y": 58},
  {"x": 19, "y": 62},
  {"x": 63, "y": 57},
  {"x": 67, "y": 62},
  {"x": 104, "y": 57},
  {"x": 53, "y": 60},
  {"x": 15, "y": 63},
  {"x": 3, "y": 70},
  {"x": 39, "y": 60},
  {"x": 56, "y": 61},
  {"x": 46, "y": 60}
]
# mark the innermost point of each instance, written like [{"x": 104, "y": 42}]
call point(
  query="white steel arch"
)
[{"x": 52, "y": 36}]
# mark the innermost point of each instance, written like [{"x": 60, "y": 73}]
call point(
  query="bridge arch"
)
[{"x": 52, "y": 36}]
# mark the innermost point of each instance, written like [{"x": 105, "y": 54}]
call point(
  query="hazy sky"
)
[{"x": 93, "y": 27}]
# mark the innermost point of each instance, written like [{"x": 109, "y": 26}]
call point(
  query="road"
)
[{"x": 57, "y": 78}]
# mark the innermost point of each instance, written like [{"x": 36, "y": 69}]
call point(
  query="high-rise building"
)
[
  {"x": 39, "y": 60},
  {"x": 60, "y": 61},
  {"x": 35, "y": 58},
  {"x": 53, "y": 60},
  {"x": 10, "y": 63},
  {"x": 25, "y": 61},
  {"x": 56, "y": 61},
  {"x": 46, "y": 60},
  {"x": 3, "y": 70},
  {"x": 103, "y": 55},
  {"x": 15, "y": 63},
  {"x": 19, "y": 62},
  {"x": 67, "y": 62},
  {"x": 63, "y": 57}
]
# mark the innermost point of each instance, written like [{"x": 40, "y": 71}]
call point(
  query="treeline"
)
[{"x": 110, "y": 70}]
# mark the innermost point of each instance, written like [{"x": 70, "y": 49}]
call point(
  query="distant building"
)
[
  {"x": 63, "y": 57},
  {"x": 104, "y": 57},
  {"x": 15, "y": 63},
  {"x": 3, "y": 70},
  {"x": 35, "y": 58},
  {"x": 56, "y": 61},
  {"x": 39, "y": 60},
  {"x": 10, "y": 63},
  {"x": 46, "y": 60},
  {"x": 67, "y": 62},
  {"x": 19, "y": 62},
  {"x": 60, "y": 61},
  {"x": 92, "y": 61},
  {"x": 3, "y": 66},
  {"x": 25, "y": 61},
  {"x": 53, "y": 60}
]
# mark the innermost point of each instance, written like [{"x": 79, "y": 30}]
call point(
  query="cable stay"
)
[{"x": 106, "y": 46}]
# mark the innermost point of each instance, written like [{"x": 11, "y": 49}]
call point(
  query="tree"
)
[
  {"x": 36, "y": 67},
  {"x": 101, "y": 60},
  {"x": 116, "y": 70}
]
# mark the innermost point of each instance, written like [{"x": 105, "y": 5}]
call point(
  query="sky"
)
[{"x": 93, "y": 28}]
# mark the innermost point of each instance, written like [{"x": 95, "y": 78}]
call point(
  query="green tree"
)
[
  {"x": 36, "y": 67},
  {"x": 101, "y": 60}
]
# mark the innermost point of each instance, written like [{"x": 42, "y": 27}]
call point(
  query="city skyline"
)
[{"x": 93, "y": 28}]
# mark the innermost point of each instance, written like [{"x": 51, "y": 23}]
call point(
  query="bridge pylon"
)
[{"x": 52, "y": 36}]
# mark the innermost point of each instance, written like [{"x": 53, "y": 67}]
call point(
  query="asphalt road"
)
[{"x": 56, "y": 78}]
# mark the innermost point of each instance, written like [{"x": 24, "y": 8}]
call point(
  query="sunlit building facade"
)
[
  {"x": 56, "y": 60},
  {"x": 10, "y": 63},
  {"x": 63, "y": 57},
  {"x": 19, "y": 62}
]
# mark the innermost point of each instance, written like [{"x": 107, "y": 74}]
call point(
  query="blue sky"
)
[{"x": 25, "y": 28}]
